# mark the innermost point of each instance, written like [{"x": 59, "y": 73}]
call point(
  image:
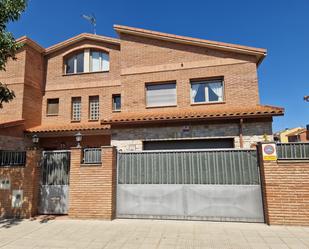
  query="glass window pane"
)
[
  {"x": 161, "y": 94},
  {"x": 215, "y": 91},
  {"x": 95, "y": 61},
  {"x": 76, "y": 108},
  {"x": 207, "y": 91},
  {"x": 70, "y": 65},
  {"x": 52, "y": 106},
  {"x": 94, "y": 108},
  {"x": 198, "y": 92},
  {"x": 80, "y": 63},
  {"x": 116, "y": 102},
  {"x": 105, "y": 62}
]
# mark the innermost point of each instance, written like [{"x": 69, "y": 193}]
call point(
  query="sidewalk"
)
[{"x": 148, "y": 234}]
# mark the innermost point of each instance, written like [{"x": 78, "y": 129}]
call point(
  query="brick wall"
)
[
  {"x": 21, "y": 178},
  {"x": 93, "y": 187},
  {"x": 145, "y": 60},
  {"x": 286, "y": 192}
]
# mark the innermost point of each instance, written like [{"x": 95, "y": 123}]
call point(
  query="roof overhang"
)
[
  {"x": 193, "y": 115},
  {"x": 259, "y": 53},
  {"x": 27, "y": 41},
  {"x": 68, "y": 129},
  {"x": 13, "y": 123},
  {"x": 81, "y": 37}
]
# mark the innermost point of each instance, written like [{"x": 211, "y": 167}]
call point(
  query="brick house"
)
[{"x": 143, "y": 91}]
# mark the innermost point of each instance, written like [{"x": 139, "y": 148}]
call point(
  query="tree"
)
[{"x": 10, "y": 11}]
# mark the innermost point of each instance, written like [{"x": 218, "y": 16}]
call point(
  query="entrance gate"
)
[
  {"x": 222, "y": 185},
  {"x": 54, "y": 184}
]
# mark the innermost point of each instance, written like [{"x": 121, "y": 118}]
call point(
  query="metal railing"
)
[
  {"x": 293, "y": 151},
  {"x": 189, "y": 167},
  {"x": 92, "y": 156},
  {"x": 12, "y": 158}
]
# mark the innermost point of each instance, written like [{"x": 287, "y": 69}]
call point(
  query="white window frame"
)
[
  {"x": 206, "y": 82},
  {"x": 101, "y": 57},
  {"x": 87, "y": 54}
]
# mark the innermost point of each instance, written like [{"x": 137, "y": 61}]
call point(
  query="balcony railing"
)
[
  {"x": 293, "y": 151},
  {"x": 92, "y": 156},
  {"x": 12, "y": 158}
]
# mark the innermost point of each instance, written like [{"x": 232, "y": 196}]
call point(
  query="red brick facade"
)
[
  {"x": 25, "y": 178},
  {"x": 285, "y": 191},
  {"x": 93, "y": 187}
]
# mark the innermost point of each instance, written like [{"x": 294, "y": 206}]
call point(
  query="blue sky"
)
[{"x": 280, "y": 26}]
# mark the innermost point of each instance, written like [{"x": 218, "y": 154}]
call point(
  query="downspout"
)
[{"x": 241, "y": 139}]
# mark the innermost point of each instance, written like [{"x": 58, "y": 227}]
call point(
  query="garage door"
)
[
  {"x": 189, "y": 144},
  {"x": 221, "y": 185}
]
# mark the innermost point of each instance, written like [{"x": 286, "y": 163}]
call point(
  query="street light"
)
[
  {"x": 35, "y": 140},
  {"x": 78, "y": 137}
]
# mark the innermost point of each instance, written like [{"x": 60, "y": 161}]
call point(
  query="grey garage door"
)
[
  {"x": 222, "y": 185},
  {"x": 189, "y": 144}
]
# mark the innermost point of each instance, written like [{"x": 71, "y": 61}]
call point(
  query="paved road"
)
[{"x": 148, "y": 234}]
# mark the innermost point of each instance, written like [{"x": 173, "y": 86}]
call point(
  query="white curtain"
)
[
  {"x": 194, "y": 89},
  {"x": 95, "y": 61},
  {"x": 105, "y": 62},
  {"x": 217, "y": 89}
]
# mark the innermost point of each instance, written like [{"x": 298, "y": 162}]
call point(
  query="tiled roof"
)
[
  {"x": 12, "y": 123},
  {"x": 67, "y": 127},
  {"x": 259, "y": 52},
  {"x": 194, "y": 114},
  {"x": 298, "y": 132}
]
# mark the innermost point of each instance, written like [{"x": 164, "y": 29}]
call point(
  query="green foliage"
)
[{"x": 10, "y": 11}]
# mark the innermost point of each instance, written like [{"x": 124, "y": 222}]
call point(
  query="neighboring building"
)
[
  {"x": 282, "y": 136},
  {"x": 146, "y": 90},
  {"x": 301, "y": 135}
]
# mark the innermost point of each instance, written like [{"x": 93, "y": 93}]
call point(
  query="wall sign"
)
[
  {"x": 269, "y": 152},
  {"x": 17, "y": 198},
  {"x": 5, "y": 183}
]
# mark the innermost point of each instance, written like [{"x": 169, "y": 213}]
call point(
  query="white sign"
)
[
  {"x": 17, "y": 198},
  {"x": 5, "y": 183}
]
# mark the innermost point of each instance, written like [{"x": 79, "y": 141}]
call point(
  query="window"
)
[
  {"x": 76, "y": 108},
  {"x": 87, "y": 61},
  {"x": 161, "y": 95},
  {"x": 75, "y": 64},
  {"x": 94, "y": 108},
  {"x": 52, "y": 106},
  {"x": 99, "y": 61},
  {"x": 117, "y": 102},
  {"x": 207, "y": 91}
]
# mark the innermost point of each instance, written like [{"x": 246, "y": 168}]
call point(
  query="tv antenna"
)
[{"x": 92, "y": 20}]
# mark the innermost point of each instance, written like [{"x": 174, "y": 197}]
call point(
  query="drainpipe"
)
[{"x": 241, "y": 139}]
